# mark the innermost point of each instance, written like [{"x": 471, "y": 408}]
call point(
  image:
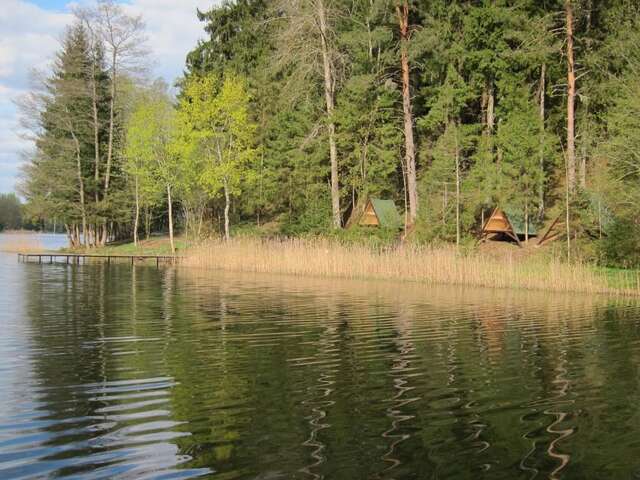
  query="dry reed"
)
[
  {"x": 424, "y": 264},
  {"x": 20, "y": 243}
]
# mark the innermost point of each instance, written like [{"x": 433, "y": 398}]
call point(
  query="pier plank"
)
[{"x": 79, "y": 258}]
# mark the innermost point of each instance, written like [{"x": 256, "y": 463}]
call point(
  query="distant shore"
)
[
  {"x": 23, "y": 232},
  {"x": 23, "y": 241}
]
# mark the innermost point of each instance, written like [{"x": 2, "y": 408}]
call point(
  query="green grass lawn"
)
[{"x": 153, "y": 246}]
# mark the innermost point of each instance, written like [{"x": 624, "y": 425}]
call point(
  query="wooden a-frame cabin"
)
[
  {"x": 501, "y": 224},
  {"x": 378, "y": 213}
]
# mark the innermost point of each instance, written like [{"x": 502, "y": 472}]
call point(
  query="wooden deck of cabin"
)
[{"x": 84, "y": 258}]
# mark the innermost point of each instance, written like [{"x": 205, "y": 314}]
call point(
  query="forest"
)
[{"x": 291, "y": 113}]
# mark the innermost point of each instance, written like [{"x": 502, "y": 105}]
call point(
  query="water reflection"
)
[{"x": 121, "y": 372}]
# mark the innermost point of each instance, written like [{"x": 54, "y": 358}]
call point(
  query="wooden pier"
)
[{"x": 84, "y": 258}]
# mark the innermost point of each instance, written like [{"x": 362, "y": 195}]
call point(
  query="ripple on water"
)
[{"x": 114, "y": 372}]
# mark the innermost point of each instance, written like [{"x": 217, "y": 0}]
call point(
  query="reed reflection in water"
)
[{"x": 120, "y": 372}]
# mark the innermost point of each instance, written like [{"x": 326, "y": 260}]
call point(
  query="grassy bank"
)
[
  {"x": 153, "y": 246},
  {"x": 429, "y": 265}
]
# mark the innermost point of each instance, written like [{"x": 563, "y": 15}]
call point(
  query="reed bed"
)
[
  {"x": 20, "y": 243},
  {"x": 430, "y": 265}
]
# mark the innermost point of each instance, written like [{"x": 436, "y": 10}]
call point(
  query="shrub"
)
[{"x": 621, "y": 246}]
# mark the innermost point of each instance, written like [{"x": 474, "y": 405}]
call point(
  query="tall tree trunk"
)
[
  {"x": 582, "y": 171},
  {"x": 526, "y": 222},
  {"x": 599, "y": 219},
  {"x": 107, "y": 176},
  {"x": 445, "y": 203},
  {"x": 200, "y": 222},
  {"x": 147, "y": 222},
  {"x": 584, "y": 141},
  {"x": 409, "y": 145},
  {"x": 96, "y": 127},
  {"x": 94, "y": 68},
  {"x": 488, "y": 107},
  {"x": 137, "y": 217},
  {"x": 491, "y": 108},
  {"x": 567, "y": 206},
  {"x": 112, "y": 103},
  {"x": 571, "y": 95},
  {"x": 70, "y": 238},
  {"x": 227, "y": 205},
  {"x": 330, "y": 99},
  {"x": 457, "y": 187},
  {"x": 104, "y": 234},
  {"x": 170, "y": 206},
  {"x": 542, "y": 94},
  {"x": 83, "y": 209}
]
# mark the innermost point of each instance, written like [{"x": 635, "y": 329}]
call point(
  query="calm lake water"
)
[{"x": 117, "y": 372}]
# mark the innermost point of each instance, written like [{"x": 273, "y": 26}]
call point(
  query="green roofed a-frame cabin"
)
[
  {"x": 507, "y": 224},
  {"x": 380, "y": 213}
]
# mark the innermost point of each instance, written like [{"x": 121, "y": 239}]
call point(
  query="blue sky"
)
[
  {"x": 60, "y": 5},
  {"x": 29, "y": 37}
]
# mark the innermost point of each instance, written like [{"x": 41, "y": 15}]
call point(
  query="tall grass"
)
[{"x": 431, "y": 265}]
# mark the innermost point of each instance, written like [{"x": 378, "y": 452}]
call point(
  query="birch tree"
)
[
  {"x": 152, "y": 159},
  {"x": 124, "y": 41},
  {"x": 143, "y": 143},
  {"x": 216, "y": 125}
]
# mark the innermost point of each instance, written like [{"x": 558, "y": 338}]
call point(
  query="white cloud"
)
[
  {"x": 173, "y": 29},
  {"x": 29, "y": 38}
]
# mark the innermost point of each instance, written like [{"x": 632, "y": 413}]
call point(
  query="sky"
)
[{"x": 30, "y": 32}]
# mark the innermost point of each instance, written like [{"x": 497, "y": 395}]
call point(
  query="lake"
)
[{"x": 121, "y": 372}]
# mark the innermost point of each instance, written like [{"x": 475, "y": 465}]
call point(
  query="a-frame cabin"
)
[
  {"x": 380, "y": 213},
  {"x": 500, "y": 224}
]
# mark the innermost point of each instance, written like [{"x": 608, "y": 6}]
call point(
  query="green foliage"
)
[
  {"x": 249, "y": 139},
  {"x": 149, "y": 146},
  {"x": 621, "y": 246},
  {"x": 68, "y": 112},
  {"x": 368, "y": 139},
  {"x": 216, "y": 127},
  {"x": 236, "y": 38},
  {"x": 311, "y": 219},
  {"x": 522, "y": 153},
  {"x": 10, "y": 212},
  {"x": 145, "y": 129}
]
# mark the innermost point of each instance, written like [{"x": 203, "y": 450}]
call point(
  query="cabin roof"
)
[
  {"x": 517, "y": 222},
  {"x": 387, "y": 213}
]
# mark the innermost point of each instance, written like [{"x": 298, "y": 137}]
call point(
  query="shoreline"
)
[
  {"x": 410, "y": 264},
  {"x": 28, "y": 233},
  {"x": 427, "y": 265}
]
